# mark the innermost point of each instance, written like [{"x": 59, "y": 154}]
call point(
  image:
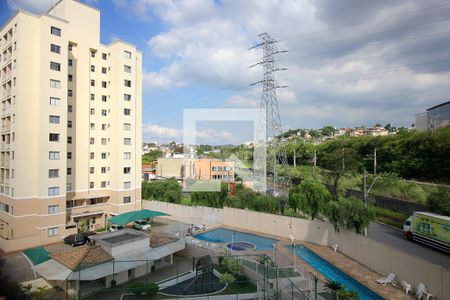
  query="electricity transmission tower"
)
[{"x": 276, "y": 151}]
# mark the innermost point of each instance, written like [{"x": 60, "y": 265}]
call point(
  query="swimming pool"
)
[
  {"x": 332, "y": 273},
  {"x": 224, "y": 235}
]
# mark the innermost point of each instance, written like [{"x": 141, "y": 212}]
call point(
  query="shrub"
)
[
  {"x": 227, "y": 278},
  {"x": 137, "y": 288},
  {"x": 151, "y": 289},
  {"x": 232, "y": 265}
]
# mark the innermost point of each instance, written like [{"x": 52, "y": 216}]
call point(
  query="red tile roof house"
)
[{"x": 115, "y": 258}]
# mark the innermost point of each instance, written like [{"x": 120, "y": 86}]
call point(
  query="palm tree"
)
[{"x": 334, "y": 287}]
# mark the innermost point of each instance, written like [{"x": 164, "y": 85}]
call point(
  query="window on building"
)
[
  {"x": 91, "y": 184},
  {"x": 127, "y": 199},
  {"x": 127, "y": 82},
  {"x": 69, "y": 93},
  {"x": 92, "y": 141},
  {"x": 70, "y": 62},
  {"x": 53, "y": 137},
  {"x": 127, "y": 69},
  {"x": 103, "y": 70},
  {"x": 104, "y": 126},
  {"x": 103, "y": 184},
  {"x": 92, "y": 97},
  {"x": 55, "y": 31},
  {"x": 69, "y": 171},
  {"x": 92, "y": 68},
  {"x": 69, "y": 140},
  {"x": 53, "y": 173},
  {"x": 126, "y": 170},
  {"x": 55, "y": 48},
  {"x": 92, "y": 82},
  {"x": 104, "y": 84},
  {"x": 127, "y": 126},
  {"x": 104, "y": 112},
  {"x": 126, "y": 97},
  {"x": 69, "y": 108},
  {"x": 92, "y": 111},
  {"x": 127, "y": 54},
  {"x": 127, "y": 155},
  {"x": 70, "y": 47},
  {"x": 104, "y": 98},
  {"x": 103, "y": 170},
  {"x": 70, "y": 77},
  {"x": 69, "y": 155},
  {"x": 55, "y": 83},
  {"x": 91, "y": 170},
  {"x": 54, "y": 119},
  {"x": 103, "y": 141},
  {"x": 103, "y": 155},
  {"x": 52, "y": 231},
  {"x": 69, "y": 124},
  {"x": 68, "y": 187},
  {"x": 92, "y": 155},
  {"x": 127, "y": 111},
  {"x": 55, "y": 66},
  {"x": 92, "y": 126},
  {"x": 127, "y": 185},
  {"x": 104, "y": 56},
  {"x": 53, "y": 191},
  {"x": 127, "y": 141},
  {"x": 93, "y": 53},
  {"x": 53, "y": 155}
]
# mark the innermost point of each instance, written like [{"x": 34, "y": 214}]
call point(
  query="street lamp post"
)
[{"x": 367, "y": 191}]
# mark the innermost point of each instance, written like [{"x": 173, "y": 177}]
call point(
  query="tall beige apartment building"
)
[{"x": 70, "y": 146}]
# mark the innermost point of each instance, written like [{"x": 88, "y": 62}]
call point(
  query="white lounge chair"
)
[
  {"x": 406, "y": 286},
  {"x": 335, "y": 247},
  {"x": 422, "y": 291},
  {"x": 389, "y": 279}
]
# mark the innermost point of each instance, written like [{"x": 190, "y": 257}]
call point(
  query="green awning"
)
[
  {"x": 37, "y": 255},
  {"x": 132, "y": 216}
]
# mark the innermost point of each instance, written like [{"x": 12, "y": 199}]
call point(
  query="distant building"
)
[
  {"x": 194, "y": 168},
  {"x": 377, "y": 131},
  {"x": 433, "y": 118}
]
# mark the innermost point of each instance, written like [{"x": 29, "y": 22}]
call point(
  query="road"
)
[{"x": 395, "y": 238}]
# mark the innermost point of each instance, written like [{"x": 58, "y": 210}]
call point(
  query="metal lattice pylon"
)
[{"x": 276, "y": 150}]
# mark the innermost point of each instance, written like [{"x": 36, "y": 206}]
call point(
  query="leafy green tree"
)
[
  {"x": 151, "y": 156},
  {"x": 336, "y": 214},
  {"x": 212, "y": 199},
  {"x": 232, "y": 265},
  {"x": 439, "y": 201},
  {"x": 328, "y": 130},
  {"x": 265, "y": 203},
  {"x": 337, "y": 159},
  {"x": 310, "y": 197},
  {"x": 168, "y": 190}
]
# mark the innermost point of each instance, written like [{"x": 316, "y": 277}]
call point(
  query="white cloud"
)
[
  {"x": 209, "y": 136},
  {"x": 35, "y": 6},
  {"x": 341, "y": 76}
]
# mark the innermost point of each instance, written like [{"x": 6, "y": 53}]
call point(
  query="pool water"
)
[
  {"x": 224, "y": 235},
  {"x": 332, "y": 273}
]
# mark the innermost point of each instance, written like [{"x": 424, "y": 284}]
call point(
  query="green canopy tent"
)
[{"x": 132, "y": 216}]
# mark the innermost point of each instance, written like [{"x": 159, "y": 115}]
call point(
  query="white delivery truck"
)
[{"x": 429, "y": 229}]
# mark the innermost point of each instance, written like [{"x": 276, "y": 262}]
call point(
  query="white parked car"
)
[
  {"x": 115, "y": 227},
  {"x": 142, "y": 225}
]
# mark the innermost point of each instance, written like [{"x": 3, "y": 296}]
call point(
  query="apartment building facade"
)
[{"x": 70, "y": 144}]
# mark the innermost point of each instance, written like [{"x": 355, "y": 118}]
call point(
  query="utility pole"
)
[
  {"x": 375, "y": 161},
  {"x": 367, "y": 191},
  {"x": 276, "y": 151}
]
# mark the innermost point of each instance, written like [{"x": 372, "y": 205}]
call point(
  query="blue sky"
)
[{"x": 352, "y": 63}]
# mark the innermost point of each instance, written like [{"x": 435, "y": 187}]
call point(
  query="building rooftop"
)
[
  {"x": 120, "y": 237},
  {"x": 439, "y": 105},
  {"x": 83, "y": 257}
]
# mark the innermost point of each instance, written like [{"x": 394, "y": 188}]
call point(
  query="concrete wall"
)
[
  {"x": 187, "y": 214},
  {"x": 384, "y": 259},
  {"x": 301, "y": 229}
]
